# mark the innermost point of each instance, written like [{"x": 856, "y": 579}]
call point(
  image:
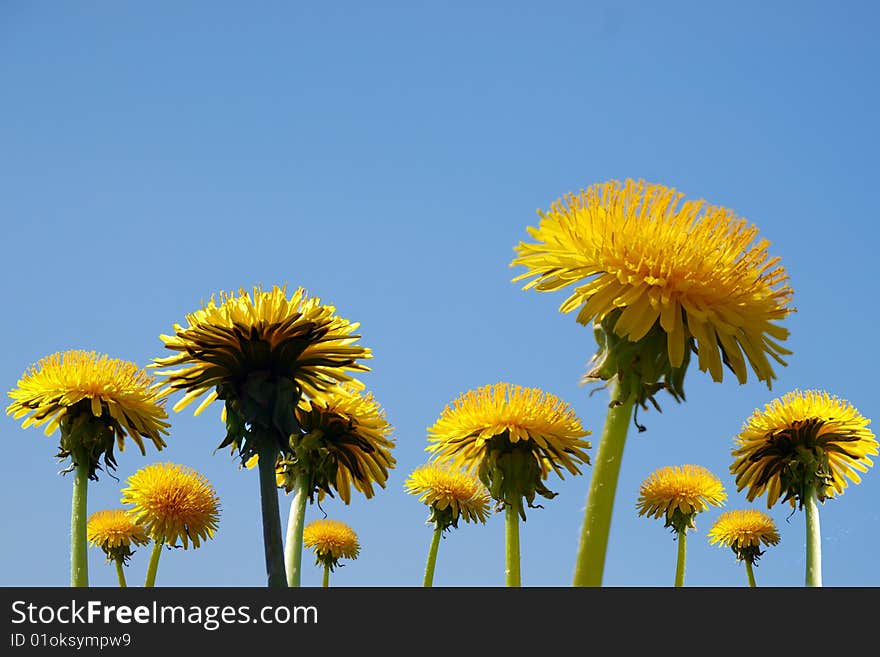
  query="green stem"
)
[
  {"x": 120, "y": 573},
  {"x": 512, "y": 545},
  {"x": 153, "y": 566},
  {"x": 814, "y": 538},
  {"x": 750, "y": 573},
  {"x": 432, "y": 557},
  {"x": 293, "y": 547},
  {"x": 79, "y": 560},
  {"x": 326, "y": 581},
  {"x": 682, "y": 555},
  {"x": 271, "y": 514},
  {"x": 590, "y": 562}
]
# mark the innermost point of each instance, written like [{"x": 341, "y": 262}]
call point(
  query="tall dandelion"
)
[
  {"x": 677, "y": 494},
  {"x": 115, "y": 532},
  {"x": 658, "y": 279},
  {"x": 261, "y": 354},
  {"x": 175, "y": 505},
  {"x": 331, "y": 540},
  {"x": 346, "y": 444},
  {"x": 451, "y": 495},
  {"x": 801, "y": 448},
  {"x": 96, "y": 402},
  {"x": 512, "y": 437},
  {"x": 745, "y": 531}
]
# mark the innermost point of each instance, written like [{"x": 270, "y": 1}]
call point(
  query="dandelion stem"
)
[
  {"x": 590, "y": 562},
  {"x": 153, "y": 566},
  {"x": 79, "y": 561},
  {"x": 814, "y": 538},
  {"x": 120, "y": 573},
  {"x": 512, "y": 545},
  {"x": 293, "y": 547},
  {"x": 326, "y": 581},
  {"x": 432, "y": 557},
  {"x": 682, "y": 555},
  {"x": 750, "y": 573},
  {"x": 272, "y": 543}
]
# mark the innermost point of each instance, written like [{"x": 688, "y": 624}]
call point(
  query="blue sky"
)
[{"x": 388, "y": 158}]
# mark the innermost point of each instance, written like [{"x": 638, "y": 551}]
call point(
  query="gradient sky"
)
[{"x": 388, "y": 157}]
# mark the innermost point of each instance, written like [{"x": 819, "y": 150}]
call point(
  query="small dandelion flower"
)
[
  {"x": 97, "y": 401},
  {"x": 799, "y": 440},
  {"x": 678, "y": 494},
  {"x": 450, "y": 494},
  {"x": 331, "y": 541},
  {"x": 346, "y": 444},
  {"x": 173, "y": 503},
  {"x": 116, "y": 533},
  {"x": 512, "y": 437},
  {"x": 745, "y": 531}
]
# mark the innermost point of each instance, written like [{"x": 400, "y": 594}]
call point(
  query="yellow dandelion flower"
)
[
  {"x": 97, "y": 401},
  {"x": 116, "y": 533},
  {"x": 347, "y": 443},
  {"x": 173, "y": 503},
  {"x": 331, "y": 540},
  {"x": 512, "y": 437},
  {"x": 678, "y": 493},
  {"x": 676, "y": 277},
  {"x": 260, "y": 353},
  {"x": 744, "y": 531},
  {"x": 801, "y": 440},
  {"x": 450, "y": 494}
]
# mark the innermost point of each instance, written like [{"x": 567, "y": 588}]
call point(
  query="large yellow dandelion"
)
[
  {"x": 693, "y": 273},
  {"x": 678, "y": 494},
  {"x": 261, "y": 353},
  {"x": 512, "y": 437}
]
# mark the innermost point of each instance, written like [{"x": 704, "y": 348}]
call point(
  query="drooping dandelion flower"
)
[
  {"x": 450, "y": 495},
  {"x": 745, "y": 531},
  {"x": 260, "y": 353},
  {"x": 116, "y": 533},
  {"x": 346, "y": 444},
  {"x": 96, "y": 402},
  {"x": 331, "y": 540},
  {"x": 512, "y": 437},
  {"x": 174, "y": 504},
  {"x": 678, "y": 494},
  {"x": 659, "y": 279},
  {"x": 802, "y": 448}
]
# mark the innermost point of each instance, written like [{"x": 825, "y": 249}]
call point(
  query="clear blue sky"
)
[{"x": 388, "y": 157}]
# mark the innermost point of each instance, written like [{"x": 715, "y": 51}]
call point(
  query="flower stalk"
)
[
  {"x": 511, "y": 537},
  {"x": 432, "y": 557},
  {"x": 814, "y": 538},
  {"x": 590, "y": 561},
  {"x": 681, "y": 557},
  {"x": 153, "y": 565},
  {"x": 79, "y": 561},
  {"x": 293, "y": 547},
  {"x": 271, "y": 516}
]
